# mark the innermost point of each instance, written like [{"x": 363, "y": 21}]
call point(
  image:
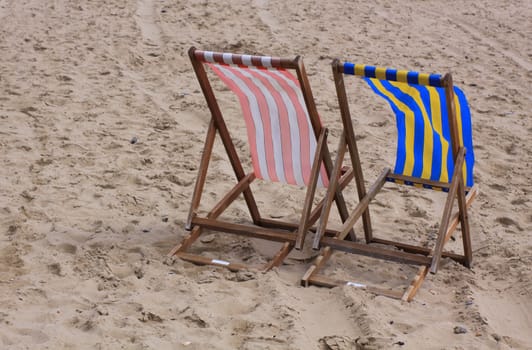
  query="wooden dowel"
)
[
  {"x": 363, "y": 204},
  {"x": 245, "y": 230},
  {"x": 375, "y": 252}
]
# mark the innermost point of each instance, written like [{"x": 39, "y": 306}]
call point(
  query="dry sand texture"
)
[{"x": 86, "y": 216}]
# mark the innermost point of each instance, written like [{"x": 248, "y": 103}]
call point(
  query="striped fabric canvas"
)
[
  {"x": 424, "y": 142},
  {"x": 280, "y": 134}
]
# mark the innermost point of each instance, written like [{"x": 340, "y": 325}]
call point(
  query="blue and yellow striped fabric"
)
[{"x": 424, "y": 140}]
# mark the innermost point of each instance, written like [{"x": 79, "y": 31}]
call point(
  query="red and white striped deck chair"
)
[{"x": 287, "y": 144}]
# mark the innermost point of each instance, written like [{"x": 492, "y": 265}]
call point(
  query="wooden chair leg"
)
[
  {"x": 202, "y": 173},
  {"x": 351, "y": 142},
  {"x": 412, "y": 289},
  {"x": 464, "y": 224},
  {"x": 331, "y": 190},
  {"x": 311, "y": 190},
  {"x": 444, "y": 224}
]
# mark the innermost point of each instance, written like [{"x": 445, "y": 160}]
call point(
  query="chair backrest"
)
[
  {"x": 282, "y": 134},
  {"x": 424, "y": 125}
]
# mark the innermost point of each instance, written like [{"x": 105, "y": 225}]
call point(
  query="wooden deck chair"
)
[
  {"x": 434, "y": 151},
  {"x": 287, "y": 145}
]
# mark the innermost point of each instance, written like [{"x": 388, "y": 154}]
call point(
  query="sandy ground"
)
[{"x": 87, "y": 217}]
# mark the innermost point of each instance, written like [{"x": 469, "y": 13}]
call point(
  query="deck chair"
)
[
  {"x": 434, "y": 151},
  {"x": 287, "y": 143}
]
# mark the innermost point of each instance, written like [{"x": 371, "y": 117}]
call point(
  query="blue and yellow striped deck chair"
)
[{"x": 434, "y": 151}]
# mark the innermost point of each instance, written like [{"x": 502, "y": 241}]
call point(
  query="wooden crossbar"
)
[
  {"x": 422, "y": 182},
  {"x": 201, "y": 260},
  {"x": 245, "y": 230},
  {"x": 418, "y": 249},
  {"x": 390, "y": 74},
  {"x": 375, "y": 252},
  {"x": 245, "y": 60},
  {"x": 324, "y": 281}
]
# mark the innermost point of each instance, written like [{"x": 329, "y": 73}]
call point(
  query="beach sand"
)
[{"x": 102, "y": 125}]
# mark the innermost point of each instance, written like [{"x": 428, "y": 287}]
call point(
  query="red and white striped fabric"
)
[{"x": 279, "y": 130}]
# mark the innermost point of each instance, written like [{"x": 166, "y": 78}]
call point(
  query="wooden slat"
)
[
  {"x": 201, "y": 260},
  {"x": 363, "y": 204},
  {"x": 324, "y": 281},
  {"x": 375, "y": 252},
  {"x": 417, "y": 249},
  {"x": 245, "y": 230},
  {"x": 291, "y": 226},
  {"x": 417, "y": 180}
]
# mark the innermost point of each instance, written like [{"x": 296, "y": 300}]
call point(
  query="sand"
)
[{"x": 102, "y": 125}]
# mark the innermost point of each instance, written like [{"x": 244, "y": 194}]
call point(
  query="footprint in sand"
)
[
  {"x": 10, "y": 261},
  {"x": 145, "y": 17},
  {"x": 37, "y": 337}
]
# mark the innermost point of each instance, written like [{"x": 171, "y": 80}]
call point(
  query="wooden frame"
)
[
  {"x": 427, "y": 259},
  {"x": 290, "y": 234}
]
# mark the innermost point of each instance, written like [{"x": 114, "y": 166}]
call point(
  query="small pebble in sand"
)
[
  {"x": 460, "y": 330},
  {"x": 207, "y": 238},
  {"x": 134, "y": 140}
]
